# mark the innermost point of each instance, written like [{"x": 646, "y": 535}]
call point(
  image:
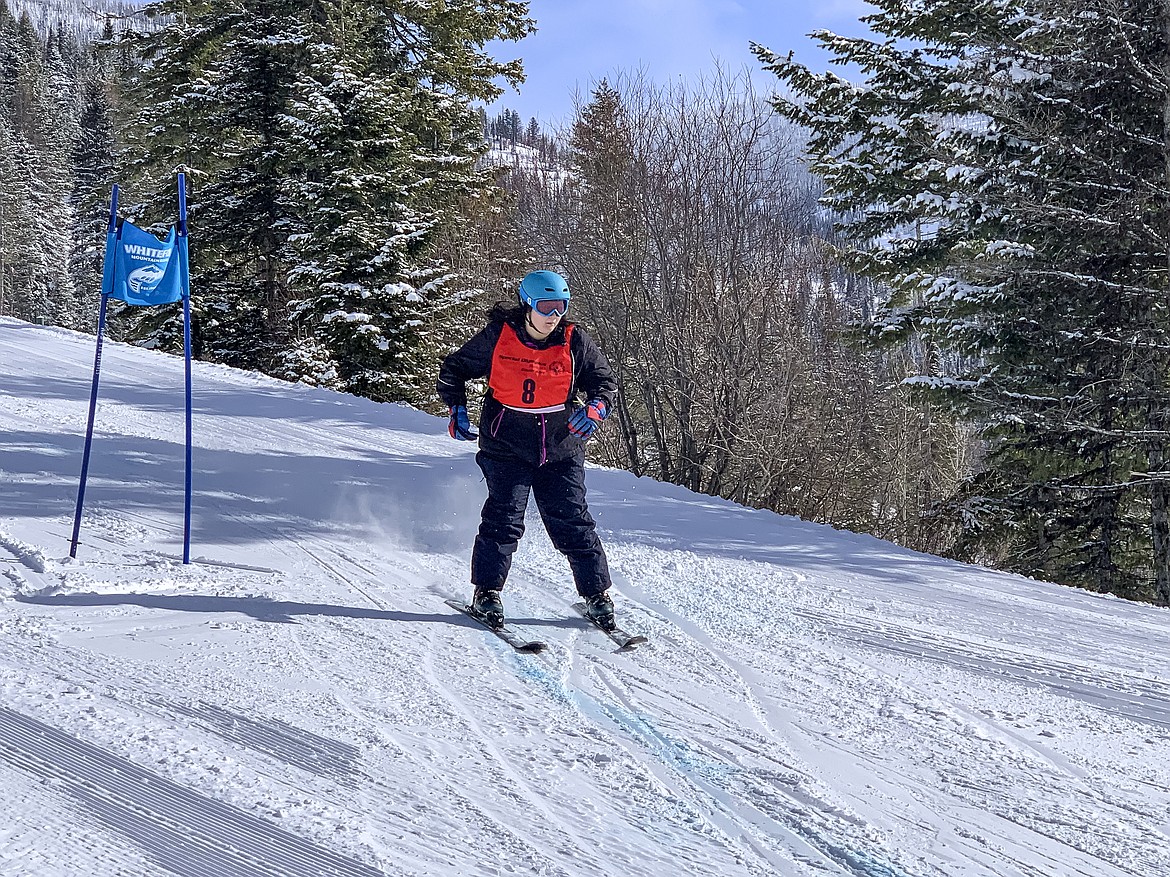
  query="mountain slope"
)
[
  {"x": 86, "y": 18},
  {"x": 301, "y": 701}
]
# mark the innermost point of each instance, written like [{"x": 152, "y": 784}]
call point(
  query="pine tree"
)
[
  {"x": 56, "y": 133},
  {"x": 23, "y": 70},
  {"x": 355, "y": 313},
  {"x": 38, "y": 122},
  {"x": 95, "y": 173},
  {"x": 9, "y": 221},
  {"x": 217, "y": 80},
  {"x": 43, "y": 70},
  {"x": 326, "y": 141},
  {"x": 601, "y": 153},
  {"x": 1001, "y": 171},
  {"x": 7, "y": 61},
  {"x": 396, "y": 164}
]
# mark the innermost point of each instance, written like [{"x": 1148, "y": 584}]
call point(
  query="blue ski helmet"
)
[{"x": 543, "y": 286}]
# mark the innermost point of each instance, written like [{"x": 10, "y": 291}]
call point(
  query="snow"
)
[
  {"x": 503, "y": 153},
  {"x": 300, "y": 701},
  {"x": 87, "y": 17}
]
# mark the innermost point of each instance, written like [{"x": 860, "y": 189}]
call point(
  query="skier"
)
[{"x": 532, "y": 437}]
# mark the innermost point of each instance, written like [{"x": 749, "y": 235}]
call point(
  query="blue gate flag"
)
[{"x": 142, "y": 270}]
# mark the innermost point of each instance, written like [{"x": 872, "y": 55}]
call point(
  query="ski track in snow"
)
[
  {"x": 179, "y": 829},
  {"x": 301, "y": 701}
]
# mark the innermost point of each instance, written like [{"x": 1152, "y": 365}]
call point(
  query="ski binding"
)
[
  {"x": 622, "y": 638},
  {"x": 504, "y": 632}
]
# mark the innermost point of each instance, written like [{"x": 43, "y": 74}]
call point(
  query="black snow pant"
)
[{"x": 559, "y": 488}]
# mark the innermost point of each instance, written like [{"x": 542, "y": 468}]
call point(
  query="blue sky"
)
[{"x": 580, "y": 41}]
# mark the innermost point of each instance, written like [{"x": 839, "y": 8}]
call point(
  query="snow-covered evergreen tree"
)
[
  {"x": 325, "y": 142},
  {"x": 37, "y": 106},
  {"x": 49, "y": 178},
  {"x": 8, "y": 220},
  {"x": 57, "y": 121},
  {"x": 1001, "y": 169},
  {"x": 95, "y": 172}
]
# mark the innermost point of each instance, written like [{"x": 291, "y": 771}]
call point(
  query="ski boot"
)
[
  {"x": 489, "y": 606},
  {"x": 599, "y": 607}
]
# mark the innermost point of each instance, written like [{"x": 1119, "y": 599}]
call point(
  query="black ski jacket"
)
[{"x": 507, "y": 432}]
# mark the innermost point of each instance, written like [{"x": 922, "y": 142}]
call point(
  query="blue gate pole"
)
[
  {"x": 97, "y": 364},
  {"x": 187, "y": 356}
]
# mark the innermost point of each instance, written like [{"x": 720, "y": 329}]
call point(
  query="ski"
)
[
  {"x": 505, "y": 633},
  {"x": 622, "y": 638}
]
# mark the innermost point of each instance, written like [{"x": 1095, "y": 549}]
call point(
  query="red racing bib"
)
[{"x": 528, "y": 379}]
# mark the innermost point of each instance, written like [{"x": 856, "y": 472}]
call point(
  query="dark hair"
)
[{"x": 503, "y": 311}]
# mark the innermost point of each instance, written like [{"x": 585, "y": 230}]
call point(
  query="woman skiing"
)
[{"x": 532, "y": 433}]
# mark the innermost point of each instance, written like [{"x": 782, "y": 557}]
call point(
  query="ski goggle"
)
[{"x": 551, "y": 307}]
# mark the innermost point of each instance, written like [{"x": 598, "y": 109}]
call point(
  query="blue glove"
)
[
  {"x": 585, "y": 421},
  {"x": 460, "y": 426}
]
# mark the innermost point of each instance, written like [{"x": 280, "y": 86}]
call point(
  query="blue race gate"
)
[{"x": 139, "y": 269}]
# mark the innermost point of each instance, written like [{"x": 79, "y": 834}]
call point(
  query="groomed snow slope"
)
[{"x": 301, "y": 701}]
